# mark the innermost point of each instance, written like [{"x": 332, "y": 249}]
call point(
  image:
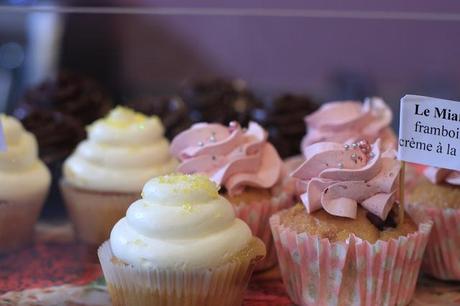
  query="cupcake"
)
[
  {"x": 220, "y": 100},
  {"x": 171, "y": 109},
  {"x": 179, "y": 245},
  {"x": 107, "y": 171},
  {"x": 24, "y": 184},
  {"x": 56, "y": 112},
  {"x": 284, "y": 120},
  {"x": 245, "y": 165},
  {"x": 437, "y": 196},
  {"x": 343, "y": 121},
  {"x": 347, "y": 243}
]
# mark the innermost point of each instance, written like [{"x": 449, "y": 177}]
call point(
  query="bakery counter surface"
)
[{"x": 57, "y": 271}]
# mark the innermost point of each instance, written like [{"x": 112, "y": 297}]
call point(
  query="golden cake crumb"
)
[
  {"x": 324, "y": 225},
  {"x": 437, "y": 195},
  {"x": 248, "y": 196}
]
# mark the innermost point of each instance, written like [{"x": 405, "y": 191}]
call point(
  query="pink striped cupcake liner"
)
[
  {"x": 442, "y": 256},
  {"x": 257, "y": 216},
  {"x": 353, "y": 272}
]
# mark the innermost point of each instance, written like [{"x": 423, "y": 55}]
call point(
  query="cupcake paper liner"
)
[
  {"x": 137, "y": 286},
  {"x": 93, "y": 214},
  {"x": 17, "y": 222},
  {"x": 442, "y": 256},
  {"x": 353, "y": 272},
  {"x": 257, "y": 215}
]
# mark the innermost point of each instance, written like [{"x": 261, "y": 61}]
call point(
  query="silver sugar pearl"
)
[
  {"x": 354, "y": 156},
  {"x": 340, "y": 165},
  {"x": 346, "y": 146},
  {"x": 200, "y": 143},
  {"x": 354, "y": 145}
]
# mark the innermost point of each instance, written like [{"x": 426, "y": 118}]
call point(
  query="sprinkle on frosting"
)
[
  {"x": 337, "y": 178},
  {"x": 342, "y": 121},
  {"x": 231, "y": 156},
  {"x": 123, "y": 117},
  {"x": 122, "y": 152}
]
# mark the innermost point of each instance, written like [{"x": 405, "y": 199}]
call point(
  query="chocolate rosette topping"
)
[
  {"x": 284, "y": 120},
  {"x": 71, "y": 94},
  {"x": 57, "y": 134},
  {"x": 172, "y": 111},
  {"x": 220, "y": 101}
]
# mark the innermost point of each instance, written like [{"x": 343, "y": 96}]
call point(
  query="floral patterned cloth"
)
[{"x": 58, "y": 272}]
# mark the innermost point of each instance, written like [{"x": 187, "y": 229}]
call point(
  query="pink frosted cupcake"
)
[
  {"x": 437, "y": 196},
  {"x": 349, "y": 121},
  {"x": 248, "y": 169},
  {"x": 346, "y": 245}
]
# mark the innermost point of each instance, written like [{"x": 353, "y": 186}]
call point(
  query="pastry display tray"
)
[{"x": 57, "y": 271}]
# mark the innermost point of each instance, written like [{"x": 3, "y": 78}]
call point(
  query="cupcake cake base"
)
[
  {"x": 317, "y": 271},
  {"x": 93, "y": 214},
  {"x": 17, "y": 222},
  {"x": 223, "y": 285}
]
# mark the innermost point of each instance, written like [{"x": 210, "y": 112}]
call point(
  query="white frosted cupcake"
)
[
  {"x": 106, "y": 172},
  {"x": 180, "y": 245},
  {"x": 24, "y": 184}
]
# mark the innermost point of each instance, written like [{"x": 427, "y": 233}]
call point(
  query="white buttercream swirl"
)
[
  {"x": 181, "y": 222},
  {"x": 22, "y": 174},
  {"x": 122, "y": 152}
]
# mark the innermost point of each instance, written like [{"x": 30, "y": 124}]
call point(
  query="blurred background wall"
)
[{"x": 331, "y": 49}]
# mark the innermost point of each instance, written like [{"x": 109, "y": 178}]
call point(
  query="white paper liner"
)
[
  {"x": 17, "y": 221},
  {"x": 137, "y": 286}
]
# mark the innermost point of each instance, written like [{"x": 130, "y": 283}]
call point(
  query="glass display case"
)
[{"x": 65, "y": 65}]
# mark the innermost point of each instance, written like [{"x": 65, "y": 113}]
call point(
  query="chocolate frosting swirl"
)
[
  {"x": 172, "y": 110},
  {"x": 71, "y": 94},
  {"x": 220, "y": 101},
  {"x": 284, "y": 120},
  {"x": 57, "y": 134}
]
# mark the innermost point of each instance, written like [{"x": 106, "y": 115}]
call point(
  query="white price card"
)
[
  {"x": 2, "y": 139},
  {"x": 429, "y": 131}
]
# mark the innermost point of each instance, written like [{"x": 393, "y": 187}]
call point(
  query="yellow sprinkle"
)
[
  {"x": 186, "y": 183},
  {"x": 187, "y": 207},
  {"x": 122, "y": 117}
]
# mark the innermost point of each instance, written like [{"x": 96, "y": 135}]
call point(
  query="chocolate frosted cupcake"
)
[
  {"x": 71, "y": 94},
  {"x": 284, "y": 120},
  {"x": 171, "y": 109},
  {"x": 220, "y": 101}
]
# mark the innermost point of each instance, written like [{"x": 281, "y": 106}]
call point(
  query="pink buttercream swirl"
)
[
  {"x": 230, "y": 156},
  {"x": 349, "y": 121},
  {"x": 440, "y": 175},
  {"x": 338, "y": 177}
]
